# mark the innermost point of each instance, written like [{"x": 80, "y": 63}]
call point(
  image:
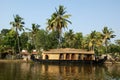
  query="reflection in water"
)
[{"x": 36, "y": 71}]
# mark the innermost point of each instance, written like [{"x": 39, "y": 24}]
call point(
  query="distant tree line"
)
[{"x": 19, "y": 37}]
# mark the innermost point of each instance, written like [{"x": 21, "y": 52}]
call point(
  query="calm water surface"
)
[{"x": 37, "y": 71}]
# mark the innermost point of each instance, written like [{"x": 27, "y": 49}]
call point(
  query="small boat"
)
[{"x": 69, "y": 55}]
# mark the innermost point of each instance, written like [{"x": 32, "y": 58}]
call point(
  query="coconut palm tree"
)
[
  {"x": 58, "y": 20},
  {"x": 107, "y": 35},
  {"x": 17, "y": 25},
  {"x": 78, "y": 40},
  {"x": 69, "y": 39},
  {"x": 92, "y": 40},
  {"x": 34, "y": 30},
  {"x": 117, "y": 42}
]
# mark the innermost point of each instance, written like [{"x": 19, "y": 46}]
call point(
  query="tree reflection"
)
[{"x": 36, "y": 71}]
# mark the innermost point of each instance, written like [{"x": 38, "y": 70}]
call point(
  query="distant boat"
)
[{"x": 69, "y": 55}]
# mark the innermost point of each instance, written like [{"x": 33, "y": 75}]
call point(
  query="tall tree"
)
[
  {"x": 18, "y": 25},
  {"x": 24, "y": 40},
  {"x": 4, "y": 31},
  {"x": 107, "y": 35},
  {"x": 34, "y": 30},
  {"x": 117, "y": 42},
  {"x": 92, "y": 40},
  {"x": 78, "y": 40},
  {"x": 58, "y": 20},
  {"x": 7, "y": 41},
  {"x": 69, "y": 38}
]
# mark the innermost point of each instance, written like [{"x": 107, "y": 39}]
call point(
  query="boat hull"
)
[
  {"x": 70, "y": 61},
  {"x": 96, "y": 61}
]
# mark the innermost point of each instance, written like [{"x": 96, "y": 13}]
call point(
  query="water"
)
[{"x": 37, "y": 71}]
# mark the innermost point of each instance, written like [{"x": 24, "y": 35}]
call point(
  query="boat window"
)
[
  {"x": 67, "y": 56},
  {"x": 87, "y": 57},
  {"x": 79, "y": 57},
  {"x": 73, "y": 57},
  {"x": 61, "y": 57}
]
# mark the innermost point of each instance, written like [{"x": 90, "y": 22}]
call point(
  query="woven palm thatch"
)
[{"x": 69, "y": 50}]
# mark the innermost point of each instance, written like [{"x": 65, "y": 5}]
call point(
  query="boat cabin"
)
[{"x": 68, "y": 54}]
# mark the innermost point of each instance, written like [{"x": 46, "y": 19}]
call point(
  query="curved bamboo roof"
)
[{"x": 69, "y": 50}]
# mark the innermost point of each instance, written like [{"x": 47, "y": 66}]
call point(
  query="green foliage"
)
[
  {"x": 107, "y": 35},
  {"x": 58, "y": 20},
  {"x": 33, "y": 34},
  {"x": 24, "y": 40},
  {"x": 117, "y": 42},
  {"x": 114, "y": 48},
  {"x": 7, "y": 41},
  {"x": 39, "y": 39},
  {"x": 53, "y": 39},
  {"x": 45, "y": 40},
  {"x": 69, "y": 38},
  {"x": 17, "y": 25}
]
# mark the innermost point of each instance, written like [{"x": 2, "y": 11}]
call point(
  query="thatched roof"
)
[{"x": 69, "y": 50}]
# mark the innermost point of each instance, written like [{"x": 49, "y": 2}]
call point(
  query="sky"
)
[{"x": 87, "y": 15}]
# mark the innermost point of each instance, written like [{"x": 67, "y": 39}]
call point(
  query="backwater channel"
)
[{"x": 37, "y": 71}]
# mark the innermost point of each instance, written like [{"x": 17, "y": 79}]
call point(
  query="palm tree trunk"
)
[
  {"x": 18, "y": 42},
  {"x": 34, "y": 44},
  {"x": 59, "y": 40},
  {"x": 105, "y": 43}
]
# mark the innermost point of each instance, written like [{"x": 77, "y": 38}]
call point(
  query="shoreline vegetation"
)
[
  {"x": 19, "y": 37},
  {"x": 15, "y": 61}
]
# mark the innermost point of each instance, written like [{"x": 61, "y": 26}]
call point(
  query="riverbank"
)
[
  {"x": 110, "y": 62},
  {"x": 24, "y": 61},
  {"x": 15, "y": 61}
]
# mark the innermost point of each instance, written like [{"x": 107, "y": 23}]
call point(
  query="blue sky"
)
[{"x": 87, "y": 15}]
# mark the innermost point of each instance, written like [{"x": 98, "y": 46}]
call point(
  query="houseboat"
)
[{"x": 68, "y": 55}]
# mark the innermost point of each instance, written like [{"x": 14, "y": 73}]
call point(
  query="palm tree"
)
[
  {"x": 107, "y": 35},
  {"x": 58, "y": 21},
  {"x": 117, "y": 42},
  {"x": 92, "y": 40},
  {"x": 69, "y": 39},
  {"x": 78, "y": 40},
  {"x": 17, "y": 25},
  {"x": 34, "y": 30}
]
